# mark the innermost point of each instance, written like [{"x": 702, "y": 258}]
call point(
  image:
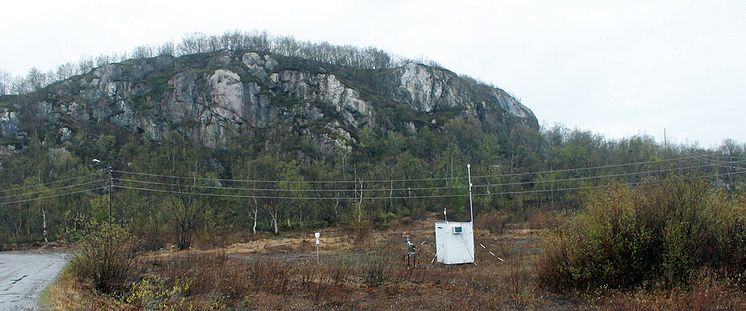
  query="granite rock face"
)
[
  {"x": 8, "y": 123},
  {"x": 213, "y": 98}
]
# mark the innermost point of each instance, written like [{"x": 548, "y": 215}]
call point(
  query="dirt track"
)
[{"x": 24, "y": 275}]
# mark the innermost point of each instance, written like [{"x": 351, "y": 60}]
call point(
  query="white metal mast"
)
[{"x": 471, "y": 208}]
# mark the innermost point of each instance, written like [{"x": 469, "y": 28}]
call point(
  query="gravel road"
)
[{"x": 24, "y": 275}]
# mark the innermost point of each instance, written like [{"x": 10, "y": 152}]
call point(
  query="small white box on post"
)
[{"x": 317, "y": 235}]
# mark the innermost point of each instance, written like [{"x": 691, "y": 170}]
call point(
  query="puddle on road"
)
[{"x": 18, "y": 280}]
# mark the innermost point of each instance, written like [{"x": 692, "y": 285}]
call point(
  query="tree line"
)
[
  {"x": 179, "y": 189},
  {"x": 368, "y": 58}
]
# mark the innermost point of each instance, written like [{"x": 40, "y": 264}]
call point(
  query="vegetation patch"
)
[
  {"x": 650, "y": 235},
  {"x": 106, "y": 256}
]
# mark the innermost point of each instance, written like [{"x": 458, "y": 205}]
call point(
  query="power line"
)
[
  {"x": 50, "y": 183},
  {"x": 400, "y": 180},
  {"x": 383, "y": 189},
  {"x": 355, "y": 198},
  {"x": 400, "y": 197},
  {"x": 725, "y": 164},
  {"x": 288, "y": 181},
  {"x": 288, "y": 197},
  {"x": 720, "y": 163},
  {"x": 600, "y": 186},
  {"x": 602, "y": 176},
  {"x": 287, "y": 190},
  {"x": 53, "y": 189},
  {"x": 51, "y": 196},
  {"x": 585, "y": 168}
]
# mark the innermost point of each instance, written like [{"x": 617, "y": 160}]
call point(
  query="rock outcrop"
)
[
  {"x": 8, "y": 123},
  {"x": 213, "y": 98}
]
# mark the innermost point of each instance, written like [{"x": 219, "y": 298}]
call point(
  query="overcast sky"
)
[{"x": 618, "y": 68}]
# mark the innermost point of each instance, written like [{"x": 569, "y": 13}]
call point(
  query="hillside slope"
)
[{"x": 213, "y": 98}]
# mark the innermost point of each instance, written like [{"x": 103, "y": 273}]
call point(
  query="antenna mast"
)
[{"x": 471, "y": 208}]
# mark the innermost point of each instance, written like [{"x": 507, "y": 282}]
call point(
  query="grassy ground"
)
[{"x": 364, "y": 269}]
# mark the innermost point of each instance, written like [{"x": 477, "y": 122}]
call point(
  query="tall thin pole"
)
[
  {"x": 471, "y": 208},
  {"x": 111, "y": 185},
  {"x": 732, "y": 171},
  {"x": 317, "y": 235}
]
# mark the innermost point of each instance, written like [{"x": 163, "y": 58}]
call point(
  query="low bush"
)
[
  {"x": 150, "y": 236},
  {"x": 359, "y": 233},
  {"x": 543, "y": 219},
  {"x": 494, "y": 222},
  {"x": 196, "y": 279},
  {"x": 150, "y": 294},
  {"x": 105, "y": 259},
  {"x": 656, "y": 234},
  {"x": 708, "y": 292}
]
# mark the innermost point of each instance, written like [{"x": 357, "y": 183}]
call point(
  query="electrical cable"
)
[
  {"x": 50, "y": 183},
  {"x": 51, "y": 196},
  {"x": 288, "y": 197},
  {"x": 401, "y": 197},
  {"x": 53, "y": 189},
  {"x": 402, "y": 180},
  {"x": 287, "y": 181},
  {"x": 289, "y": 190},
  {"x": 360, "y": 190},
  {"x": 599, "y": 176},
  {"x": 601, "y": 186},
  {"x": 583, "y": 168},
  {"x": 724, "y": 164},
  {"x": 424, "y": 188}
]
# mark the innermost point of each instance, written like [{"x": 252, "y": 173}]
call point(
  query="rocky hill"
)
[{"x": 215, "y": 97}]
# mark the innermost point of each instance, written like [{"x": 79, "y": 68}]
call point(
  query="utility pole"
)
[
  {"x": 111, "y": 185},
  {"x": 471, "y": 211},
  {"x": 471, "y": 208},
  {"x": 732, "y": 173}
]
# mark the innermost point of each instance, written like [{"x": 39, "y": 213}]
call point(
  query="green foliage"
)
[
  {"x": 660, "y": 233},
  {"x": 105, "y": 258},
  {"x": 150, "y": 294},
  {"x": 99, "y": 208}
]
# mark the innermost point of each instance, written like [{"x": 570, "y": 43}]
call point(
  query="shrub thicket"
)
[
  {"x": 106, "y": 257},
  {"x": 655, "y": 234}
]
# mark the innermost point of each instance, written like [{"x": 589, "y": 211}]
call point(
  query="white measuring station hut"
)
[{"x": 454, "y": 240}]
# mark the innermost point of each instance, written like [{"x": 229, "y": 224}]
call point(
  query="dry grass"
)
[
  {"x": 66, "y": 293},
  {"x": 707, "y": 293},
  {"x": 361, "y": 269},
  {"x": 364, "y": 269}
]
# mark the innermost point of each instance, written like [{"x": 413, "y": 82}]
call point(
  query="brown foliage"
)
[
  {"x": 657, "y": 234},
  {"x": 494, "y": 222},
  {"x": 107, "y": 254}
]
